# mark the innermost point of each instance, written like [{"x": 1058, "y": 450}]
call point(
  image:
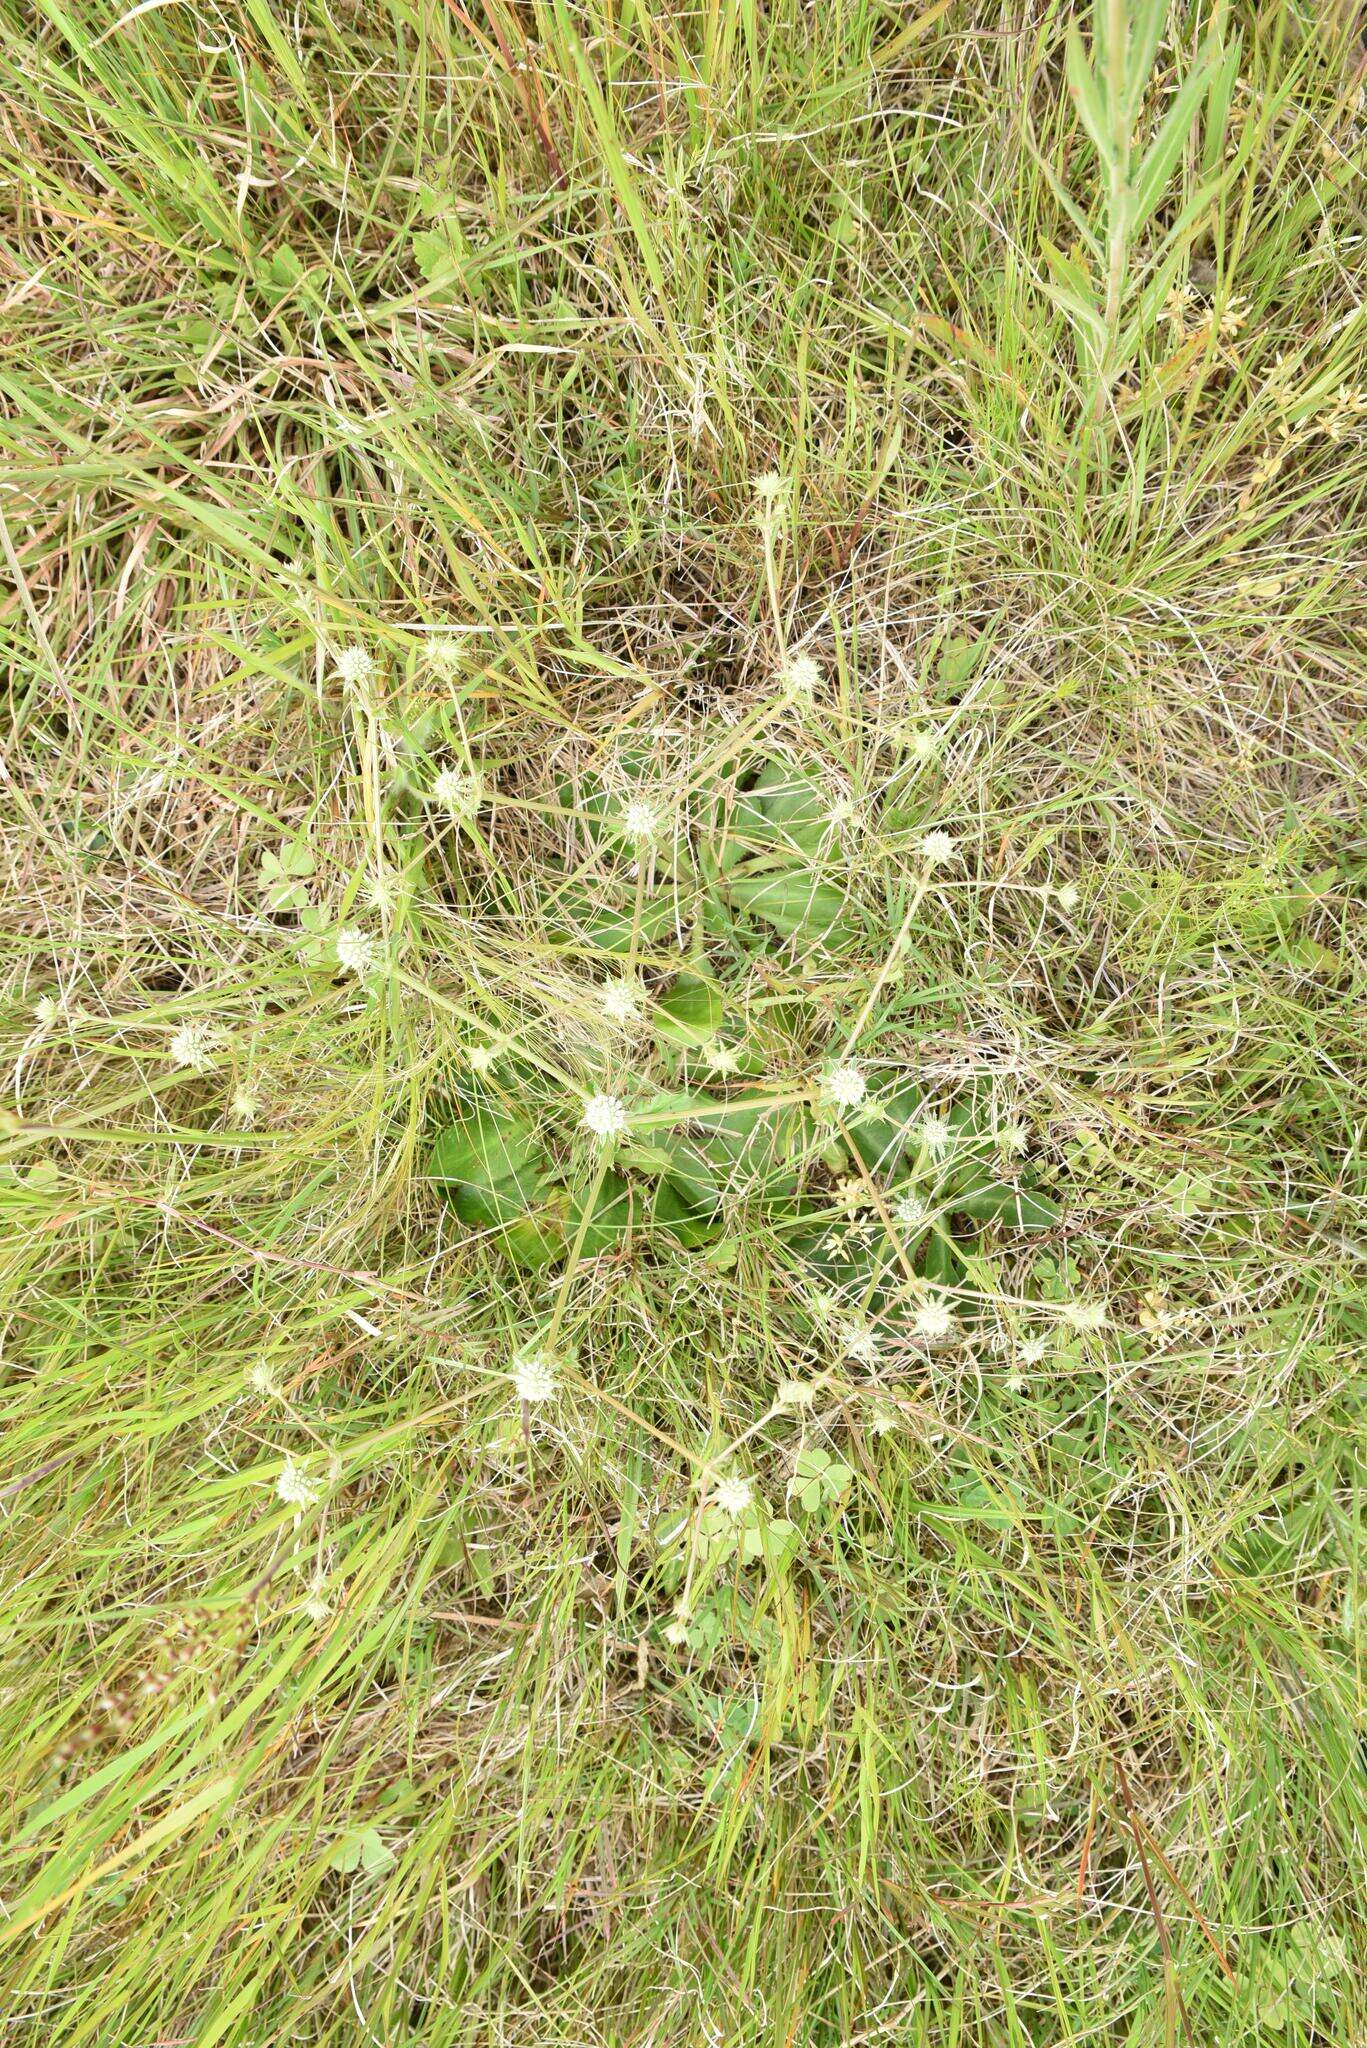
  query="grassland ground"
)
[{"x": 680, "y": 1157}]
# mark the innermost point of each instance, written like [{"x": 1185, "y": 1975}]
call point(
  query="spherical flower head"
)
[
  {"x": 605, "y": 1117},
  {"x": 801, "y": 675},
  {"x": 859, "y": 1343},
  {"x": 193, "y": 1046},
  {"x": 1013, "y": 1139},
  {"x": 356, "y": 952},
  {"x": 676, "y": 1633},
  {"x": 1032, "y": 1350},
  {"x": 621, "y": 1001},
  {"x": 355, "y": 666},
  {"x": 245, "y": 1107},
  {"x": 937, "y": 848},
  {"x": 642, "y": 820},
  {"x": 770, "y": 487},
  {"x": 935, "y": 1134},
  {"x": 459, "y": 794},
  {"x": 380, "y": 889},
  {"x": 534, "y": 1380},
  {"x": 910, "y": 1212},
  {"x": 721, "y": 1059},
  {"x": 844, "y": 1086},
  {"x": 1087, "y": 1315},
  {"x": 733, "y": 1496},
  {"x": 934, "y": 1319},
  {"x": 1154, "y": 1313},
  {"x": 924, "y": 745},
  {"x": 795, "y": 1394},
  {"x": 482, "y": 1057},
  {"x": 442, "y": 651},
  {"x": 293, "y": 1488},
  {"x": 261, "y": 1379},
  {"x": 884, "y": 1418},
  {"x": 46, "y": 1011},
  {"x": 1068, "y": 897}
]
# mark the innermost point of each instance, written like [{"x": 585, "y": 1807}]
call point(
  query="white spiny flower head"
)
[
  {"x": 261, "y": 1379},
  {"x": 733, "y": 1496},
  {"x": 925, "y": 744},
  {"x": 883, "y": 1418},
  {"x": 534, "y": 1379},
  {"x": 482, "y": 1057},
  {"x": 442, "y": 651},
  {"x": 357, "y": 952},
  {"x": 935, "y": 1134},
  {"x": 1068, "y": 897},
  {"x": 355, "y": 666},
  {"x": 843, "y": 1086},
  {"x": 245, "y": 1106},
  {"x": 458, "y": 792},
  {"x": 293, "y": 1488},
  {"x": 642, "y": 820},
  {"x": 1015, "y": 1383},
  {"x": 770, "y": 487},
  {"x": 46, "y": 1012},
  {"x": 1087, "y": 1315},
  {"x": 801, "y": 674},
  {"x": 795, "y": 1394},
  {"x": 934, "y": 1319},
  {"x": 721, "y": 1059},
  {"x": 380, "y": 889},
  {"x": 621, "y": 1001},
  {"x": 858, "y": 1342},
  {"x": 938, "y": 848},
  {"x": 1032, "y": 1350},
  {"x": 194, "y": 1045},
  {"x": 316, "y": 1608},
  {"x": 910, "y": 1212},
  {"x": 605, "y": 1117},
  {"x": 1013, "y": 1139},
  {"x": 676, "y": 1632}
]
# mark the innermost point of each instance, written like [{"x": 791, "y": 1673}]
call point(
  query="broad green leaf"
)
[
  {"x": 774, "y": 1539},
  {"x": 583, "y": 920},
  {"x": 784, "y": 808},
  {"x": 609, "y": 1221},
  {"x": 795, "y": 903},
  {"x": 283, "y": 876},
  {"x": 992, "y": 1201},
  {"x": 883, "y": 1131},
  {"x": 376, "y": 1855},
  {"x": 494, "y": 1169},
  {"x": 435, "y": 255},
  {"x": 960, "y": 657},
  {"x": 691, "y": 1013},
  {"x": 679, "y": 1212},
  {"x": 489, "y": 1148},
  {"x": 941, "y": 1262},
  {"x": 534, "y": 1241}
]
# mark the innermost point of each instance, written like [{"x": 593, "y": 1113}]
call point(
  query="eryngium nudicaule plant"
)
[{"x": 681, "y": 793}]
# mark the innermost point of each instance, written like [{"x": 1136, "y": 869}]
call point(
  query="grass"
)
[{"x": 922, "y": 1603}]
